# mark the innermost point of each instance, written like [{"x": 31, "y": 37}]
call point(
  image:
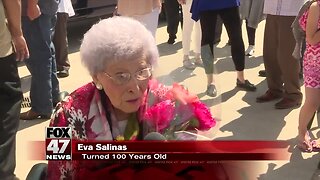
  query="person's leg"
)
[
  {"x": 218, "y": 30},
  {"x": 186, "y": 35},
  {"x": 173, "y": 18},
  {"x": 231, "y": 20},
  {"x": 197, "y": 43},
  {"x": 208, "y": 25},
  {"x": 60, "y": 41},
  {"x": 187, "y": 28},
  {"x": 41, "y": 64},
  {"x": 311, "y": 104},
  {"x": 150, "y": 20},
  {"x": 270, "y": 57},
  {"x": 251, "y": 32},
  {"x": 289, "y": 66},
  {"x": 10, "y": 101}
]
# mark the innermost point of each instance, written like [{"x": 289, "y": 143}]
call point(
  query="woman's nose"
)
[{"x": 133, "y": 85}]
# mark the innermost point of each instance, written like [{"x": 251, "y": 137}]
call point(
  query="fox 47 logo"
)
[{"x": 58, "y": 143}]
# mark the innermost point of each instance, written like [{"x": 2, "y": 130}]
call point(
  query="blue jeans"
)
[
  {"x": 44, "y": 89},
  {"x": 10, "y": 101}
]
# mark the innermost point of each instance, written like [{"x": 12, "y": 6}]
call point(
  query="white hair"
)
[{"x": 117, "y": 39}]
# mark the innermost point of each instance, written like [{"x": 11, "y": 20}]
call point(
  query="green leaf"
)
[
  {"x": 185, "y": 125},
  {"x": 194, "y": 122}
]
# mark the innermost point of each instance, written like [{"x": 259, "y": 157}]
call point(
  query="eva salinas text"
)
[{"x": 101, "y": 147}]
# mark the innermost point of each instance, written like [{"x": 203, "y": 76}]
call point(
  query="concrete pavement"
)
[{"x": 240, "y": 117}]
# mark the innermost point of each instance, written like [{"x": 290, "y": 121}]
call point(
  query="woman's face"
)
[{"x": 125, "y": 96}]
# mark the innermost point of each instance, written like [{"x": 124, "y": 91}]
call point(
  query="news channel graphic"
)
[
  {"x": 179, "y": 152},
  {"x": 58, "y": 143}
]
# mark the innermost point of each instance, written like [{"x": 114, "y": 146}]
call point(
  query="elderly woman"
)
[{"x": 123, "y": 102}]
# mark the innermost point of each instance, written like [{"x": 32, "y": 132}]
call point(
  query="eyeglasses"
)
[{"x": 122, "y": 78}]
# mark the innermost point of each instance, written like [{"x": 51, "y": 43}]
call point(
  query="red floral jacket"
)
[{"x": 167, "y": 110}]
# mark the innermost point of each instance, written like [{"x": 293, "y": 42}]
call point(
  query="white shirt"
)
[
  {"x": 65, "y": 6},
  {"x": 283, "y": 7}
]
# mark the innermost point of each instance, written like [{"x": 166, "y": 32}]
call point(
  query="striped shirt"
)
[{"x": 283, "y": 7}]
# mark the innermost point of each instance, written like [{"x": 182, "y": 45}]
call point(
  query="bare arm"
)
[
  {"x": 33, "y": 10},
  {"x": 157, "y": 3},
  {"x": 182, "y": 2},
  {"x": 312, "y": 30},
  {"x": 13, "y": 14}
]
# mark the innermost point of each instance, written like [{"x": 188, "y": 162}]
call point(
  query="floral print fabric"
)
[
  {"x": 311, "y": 59},
  {"x": 84, "y": 112}
]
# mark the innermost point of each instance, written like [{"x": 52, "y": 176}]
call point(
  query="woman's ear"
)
[
  {"x": 96, "y": 82},
  {"x": 95, "y": 79}
]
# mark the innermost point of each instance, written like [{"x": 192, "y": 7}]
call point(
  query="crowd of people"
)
[{"x": 121, "y": 60}]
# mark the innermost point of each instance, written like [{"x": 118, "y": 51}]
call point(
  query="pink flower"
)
[
  {"x": 179, "y": 93},
  {"x": 160, "y": 115},
  {"x": 204, "y": 116}
]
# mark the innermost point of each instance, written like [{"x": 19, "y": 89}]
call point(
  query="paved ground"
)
[{"x": 241, "y": 117}]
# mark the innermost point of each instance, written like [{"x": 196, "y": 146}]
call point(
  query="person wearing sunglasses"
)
[{"x": 120, "y": 54}]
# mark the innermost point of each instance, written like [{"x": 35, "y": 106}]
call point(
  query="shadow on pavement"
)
[
  {"x": 178, "y": 75},
  {"x": 268, "y": 129},
  {"x": 226, "y": 63},
  {"x": 261, "y": 131},
  {"x": 292, "y": 169},
  {"x": 28, "y": 123},
  {"x": 168, "y": 49}
]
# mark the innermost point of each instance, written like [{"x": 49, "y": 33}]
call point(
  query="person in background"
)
[
  {"x": 207, "y": 11},
  {"x": 309, "y": 22},
  {"x": 218, "y": 31},
  {"x": 60, "y": 38},
  {"x": 38, "y": 20},
  {"x": 145, "y": 11},
  {"x": 173, "y": 17},
  {"x": 13, "y": 48},
  {"x": 121, "y": 103},
  {"x": 188, "y": 26},
  {"x": 252, "y": 12},
  {"x": 282, "y": 70}
]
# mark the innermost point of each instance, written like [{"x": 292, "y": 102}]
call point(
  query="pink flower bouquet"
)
[{"x": 168, "y": 110}]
